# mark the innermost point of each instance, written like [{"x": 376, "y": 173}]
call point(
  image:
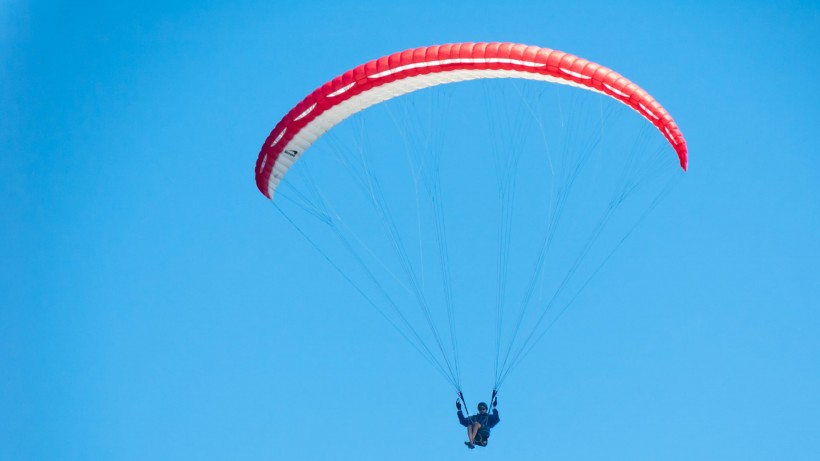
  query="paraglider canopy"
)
[{"x": 411, "y": 70}]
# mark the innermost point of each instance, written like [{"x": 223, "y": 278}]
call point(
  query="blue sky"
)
[{"x": 150, "y": 310}]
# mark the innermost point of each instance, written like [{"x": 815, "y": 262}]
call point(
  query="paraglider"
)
[
  {"x": 392, "y": 277},
  {"x": 478, "y": 425}
]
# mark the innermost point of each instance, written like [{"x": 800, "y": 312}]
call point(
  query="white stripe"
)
[
  {"x": 615, "y": 91},
  {"x": 648, "y": 111},
  {"x": 671, "y": 138},
  {"x": 278, "y": 138},
  {"x": 346, "y": 107},
  {"x": 341, "y": 90},
  {"x": 302, "y": 115},
  {"x": 456, "y": 61},
  {"x": 574, "y": 74}
]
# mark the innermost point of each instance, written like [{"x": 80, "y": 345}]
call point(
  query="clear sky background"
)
[{"x": 148, "y": 309}]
